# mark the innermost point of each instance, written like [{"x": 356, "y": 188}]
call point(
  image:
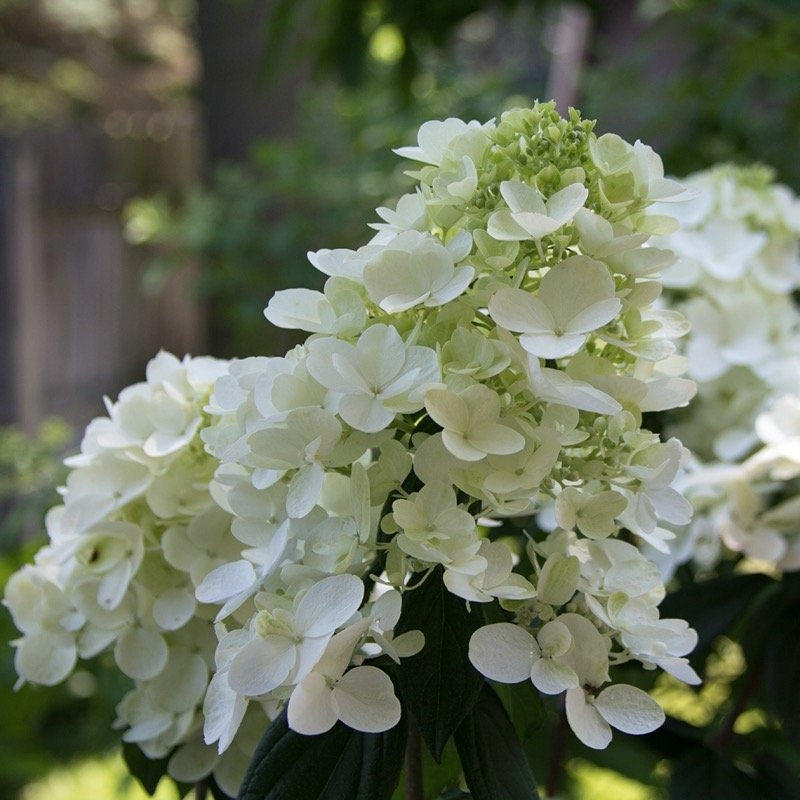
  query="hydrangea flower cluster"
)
[
  {"x": 491, "y": 349},
  {"x": 488, "y": 355},
  {"x": 738, "y": 264}
]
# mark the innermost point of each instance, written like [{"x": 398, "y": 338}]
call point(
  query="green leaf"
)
[
  {"x": 439, "y": 685},
  {"x": 491, "y": 755},
  {"x": 341, "y": 763},
  {"x": 145, "y": 770},
  {"x": 437, "y": 777},
  {"x": 781, "y": 664},
  {"x": 703, "y": 774},
  {"x": 524, "y": 707}
]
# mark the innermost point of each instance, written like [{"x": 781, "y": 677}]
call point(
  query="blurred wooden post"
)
[
  {"x": 27, "y": 296},
  {"x": 77, "y": 323},
  {"x": 569, "y": 44}
]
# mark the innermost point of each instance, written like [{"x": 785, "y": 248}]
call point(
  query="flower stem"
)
[
  {"x": 413, "y": 763},
  {"x": 201, "y": 789}
]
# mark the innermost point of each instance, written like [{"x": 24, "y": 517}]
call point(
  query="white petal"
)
[
  {"x": 366, "y": 700},
  {"x": 521, "y": 197},
  {"x": 45, "y": 658},
  {"x": 328, "y": 604},
  {"x": 174, "y": 609},
  {"x": 586, "y": 722},
  {"x": 312, "y": 709},
  {"x": 497, "y": 439},
  {"x": 140, "y": 653},
  {"x": 501, "y": 226},
  {"x": 564, "y": 204},
  {"x": 595, "y": 316},
  {"x": 182, "y": 683},
  {"x": 554, "y": 638},
  {"x": 447, "y": 409},
  {"x": 552, "y": 678},
  {"x": 304, "y": 490},
  {"x": 262, "y": 665},
  {"x": 408, "y": 643},
  {"x": 503, "y": 652},
  {"x": 226, "y": 581},
  {"x": 629, "y": 709},
  {"x": 295, "y": 308},
  {"x": 551, "y": 345},
  {"x": 519, "y": 311},
  {"x": 681, "y": 669},
  {"x": 223, "y": 710},
  {"x": 558, "y": 579},
  {"x": 365, "y": 413}
]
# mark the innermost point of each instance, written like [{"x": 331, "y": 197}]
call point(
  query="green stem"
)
[{"x": 201, "y": 789}]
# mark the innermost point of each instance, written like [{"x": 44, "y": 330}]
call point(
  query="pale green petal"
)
[
  {"x": 558, "y": 580},
  {"x": 141, "y": 653},
  {"x": 447, "y": 409},
  {"x": 521, "y": 197},
  {"x": 516, "y": 310}
]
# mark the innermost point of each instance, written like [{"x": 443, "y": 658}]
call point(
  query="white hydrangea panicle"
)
[
  {"x": 738, "y": 257},
  {"x": 137, "y": 533},
  {"x": 488, "y": 354}
]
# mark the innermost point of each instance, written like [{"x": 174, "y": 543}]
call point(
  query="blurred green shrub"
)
[
  {"x": 30, "y": 471},
  {"x": 251, "y": 227}
]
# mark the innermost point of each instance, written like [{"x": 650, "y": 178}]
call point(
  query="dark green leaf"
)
[
  {"x": 437, "y": 777},
  {"x": 712, "y": 607},
  {"x": 342, "y": 764},
  {"x": 439, "y": 685},
  {"x": 781, "y": 660},
  {"x": 703, "y": 774},
  {"x": 146, "y": 771},
  {"x": 494, "y": 763},
  {"x": 525, "y": 709}
]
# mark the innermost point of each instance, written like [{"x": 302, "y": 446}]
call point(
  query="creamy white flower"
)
[
  {"x": 494, "y": 581},
  {"x": 339, "y": 311},
  {"x": 287, "y": 645},
  {"x": 375, "y": 379},
  {"x": 624, "y": 707},
  {"x": 363, "y": 697},
  {"x": 415, "y": 269},
  {"x": 509, "y": 654},
  {"x": 470, "y": 422},
  {"x": 529, "y": 215},
  {"x": 435, "y": 137},
  {"x": 574, "y": 298}
]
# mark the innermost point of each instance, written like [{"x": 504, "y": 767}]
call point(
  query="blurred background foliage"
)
[{"x": 344, "y": 82}]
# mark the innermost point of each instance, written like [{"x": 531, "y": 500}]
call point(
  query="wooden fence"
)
[{"x": 75, "y": 320}]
